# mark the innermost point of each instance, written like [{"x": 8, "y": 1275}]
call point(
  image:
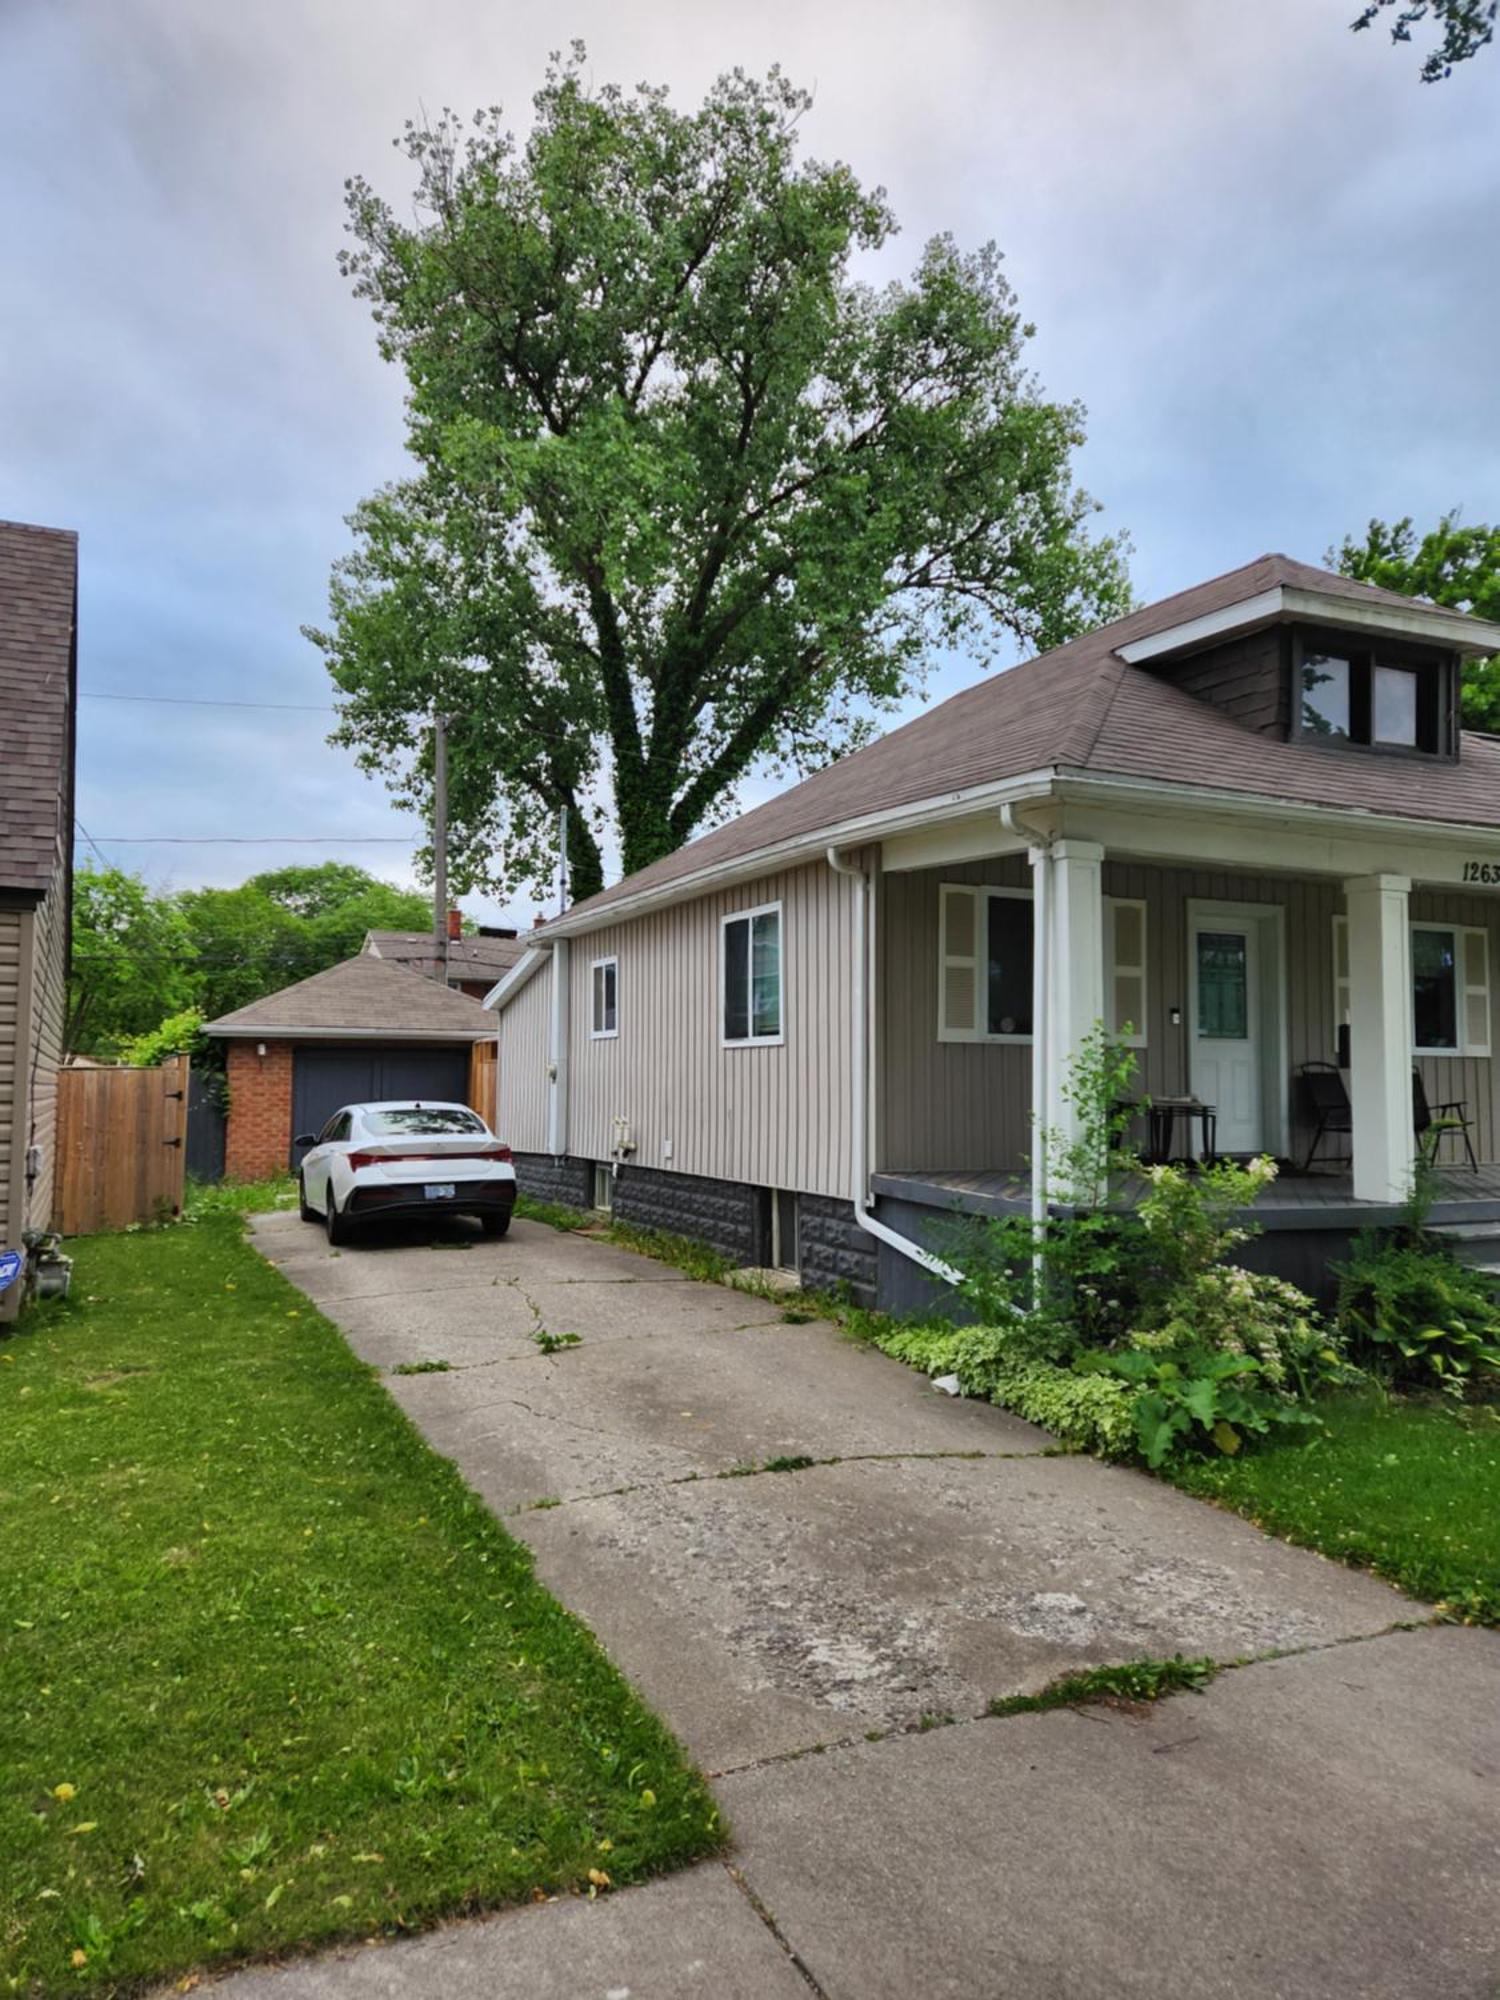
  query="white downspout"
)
[
  {"x": 859, "y": 1122},
  {"x": 557, "y": 1054},
  {"x": 1041, "y": 1022}
]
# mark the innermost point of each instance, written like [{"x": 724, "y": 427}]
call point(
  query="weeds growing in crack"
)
[{"x": 1133, "y": 1681}]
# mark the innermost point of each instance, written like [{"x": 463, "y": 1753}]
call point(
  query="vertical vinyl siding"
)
[
  {"x": 49, "y": 1019},
  {"x": 769, "y": 1115},
  {"x": 11, "y": 1071},
  {"x": 523, "y": 1065},
  {"x": 955, "y": 1106},
  {"x": 967, "y": 1107},
  {"x": 1466, "y": 1079}
]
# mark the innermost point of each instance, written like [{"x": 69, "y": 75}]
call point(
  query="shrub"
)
[
  {"x": 1197, "y": 1396},
  {"x": 1417, "y": 1314}
]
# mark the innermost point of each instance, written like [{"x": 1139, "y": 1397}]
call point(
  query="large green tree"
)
[
  {"x": 287, "y": 924},
  {"x": 141, "y": 957},
  {"x": 693, "y": 492},
  {"x": 1451, "y": 565},
  {"x": 132, "y": 960},
  {"x": 1466, "y": 26}
]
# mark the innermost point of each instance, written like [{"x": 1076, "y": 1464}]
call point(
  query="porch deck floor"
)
[{"x": 1322, "y": 1198}]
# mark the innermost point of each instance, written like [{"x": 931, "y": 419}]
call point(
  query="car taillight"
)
[{"x": 357, "y": 1160}]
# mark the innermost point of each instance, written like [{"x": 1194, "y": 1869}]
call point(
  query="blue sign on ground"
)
[{"x": 10, "y": 1267}]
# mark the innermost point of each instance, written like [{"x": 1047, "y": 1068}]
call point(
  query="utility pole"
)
[
  {"x": 562, "y": 860},
  {"x": 440, "y": 843}
]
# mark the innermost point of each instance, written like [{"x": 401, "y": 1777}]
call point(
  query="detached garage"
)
[{"x": 361, "y": 1032}]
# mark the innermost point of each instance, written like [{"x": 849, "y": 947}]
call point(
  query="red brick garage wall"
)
[{"x": 258, "y": 1138}]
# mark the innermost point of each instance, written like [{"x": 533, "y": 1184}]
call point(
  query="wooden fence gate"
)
[
  {"x": 121, "y": 1152},
  {"x": 484, "y": 1081}
]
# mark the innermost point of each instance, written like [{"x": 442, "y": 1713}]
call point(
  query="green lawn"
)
[
  {"x": 273, "y": 1675},
  {"x": 1409, "y": 1489}
]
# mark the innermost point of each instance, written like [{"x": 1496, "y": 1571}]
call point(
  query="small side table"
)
[{"x": 1164, "y": 1114}]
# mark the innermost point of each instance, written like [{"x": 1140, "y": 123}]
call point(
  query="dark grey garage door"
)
[{"x": 324, "y": 1079}]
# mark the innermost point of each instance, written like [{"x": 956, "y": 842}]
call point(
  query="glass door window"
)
[{"x": 1223, "y": 986}]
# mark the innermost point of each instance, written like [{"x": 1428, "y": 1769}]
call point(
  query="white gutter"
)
[
  {"x": 1414, "y": 619},
  {"x": 802, "y": 847},
  {"x": 510, "y": 982},
  {"x": 859, "y": 1121},
  {"x": 270, "y": 1033},
  {"x": 557, "y": 1054},
  {"x": 1214, "y": 801}
]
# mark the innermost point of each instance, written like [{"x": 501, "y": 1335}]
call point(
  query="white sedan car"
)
[{"x": 407, "y": 1159}]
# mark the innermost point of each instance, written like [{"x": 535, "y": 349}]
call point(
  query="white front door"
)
[{"x": 1226, "y": 1054}]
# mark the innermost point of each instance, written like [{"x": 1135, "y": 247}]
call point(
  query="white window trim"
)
[
  {"x": 981, "y": 986},
  {"x": 1112, "y": 966},
  {"x": 752, "y": 1040},
  {"x": 596, "y": 966},
  {"x": 1466, "y": 989}
]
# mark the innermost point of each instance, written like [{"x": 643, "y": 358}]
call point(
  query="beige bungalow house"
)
[{"x": 1241, "y": 826}]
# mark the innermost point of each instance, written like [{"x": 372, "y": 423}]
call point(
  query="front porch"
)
[{"x": 1322, "y": 1199}]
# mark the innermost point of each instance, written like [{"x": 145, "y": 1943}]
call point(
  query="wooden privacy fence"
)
[
  {"x": 121, "y": 1156},
  {"x": 484, "y": 1077}
]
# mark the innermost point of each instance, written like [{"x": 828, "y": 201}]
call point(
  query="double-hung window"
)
[
  {"x": 986, "y": 952},
  {"x": 985, "y": 947},
  {"x": 604, "y": 1019},
  {"x": 751, "y": 1003},
  {"x": 1450, "y": 987}
]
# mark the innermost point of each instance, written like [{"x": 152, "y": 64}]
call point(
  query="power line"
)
[
  {"x": 205, "y": 701},
  {"x": 253, "y": 840},
  {"x": 90, "y": 839}
]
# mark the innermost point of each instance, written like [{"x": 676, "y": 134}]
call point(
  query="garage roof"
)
[{"x": 365, "y": 999}]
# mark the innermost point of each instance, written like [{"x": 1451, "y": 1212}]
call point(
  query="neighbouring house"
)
[
  {"x": 38, "y": 699},
  {"x": 360, "y": 1032},
  {"x": 1242, "y": 826},
  {"x": 475, "y": 962}
]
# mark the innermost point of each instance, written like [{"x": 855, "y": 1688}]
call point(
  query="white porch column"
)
[
  {"x": 1075, "y": 985},
  {"x": 1380, "y": 1036}
]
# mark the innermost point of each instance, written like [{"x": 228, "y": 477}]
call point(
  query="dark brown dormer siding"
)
[{"x": 1246, "y": 678}]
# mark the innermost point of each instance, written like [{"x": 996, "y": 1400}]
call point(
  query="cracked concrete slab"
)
[
  {"x": 1308, "y": 1828},
  {"x": 684, "y": 1402},
  {"x": 450, "y": 1257},
  {"x": 472, "y": 1326},
  {"x": 769, "y": 1614},
  {"x": 694, "y": 1937}
]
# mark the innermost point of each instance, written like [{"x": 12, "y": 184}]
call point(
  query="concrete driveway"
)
[{"x": 1322, "y": 1821}]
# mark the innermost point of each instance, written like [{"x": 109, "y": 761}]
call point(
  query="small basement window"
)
[{"x": 604, "y": 1188}]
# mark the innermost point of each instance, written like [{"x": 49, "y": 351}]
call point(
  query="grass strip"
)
[
  {"x": 1403, "y": 1487},
  {"x": 274, "y": 1675}
]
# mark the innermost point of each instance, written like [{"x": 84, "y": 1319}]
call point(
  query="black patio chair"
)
[
  {"x": 1438, "y": 1120},
  {"x": 1328, "y": 1106}
]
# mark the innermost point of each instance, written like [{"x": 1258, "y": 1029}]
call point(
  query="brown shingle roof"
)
[
  {"x": 468, "y": 957},
  {"x": 38, "y": 568},
  {"x": 1082, "y": 708},
  {"x": 364, "y": 996}
]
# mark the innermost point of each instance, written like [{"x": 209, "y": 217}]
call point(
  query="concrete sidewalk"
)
[{"x": 1318, "y": 1824}]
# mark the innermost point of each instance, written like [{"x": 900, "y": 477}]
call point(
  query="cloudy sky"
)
[{"x": 1255, "y": 246}]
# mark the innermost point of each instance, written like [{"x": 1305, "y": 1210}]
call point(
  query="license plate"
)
[{"x": 440, "y": 1191}]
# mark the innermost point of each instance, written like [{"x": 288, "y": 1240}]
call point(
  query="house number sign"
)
[{"x": 1482, "y": 871}]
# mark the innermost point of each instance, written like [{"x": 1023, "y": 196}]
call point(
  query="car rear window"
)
[{"x": 419, "y": 1124}]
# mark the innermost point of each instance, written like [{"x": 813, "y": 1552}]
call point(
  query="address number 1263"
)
[{"x": 1482, "y": 871}]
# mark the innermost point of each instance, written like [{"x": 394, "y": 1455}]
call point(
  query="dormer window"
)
[{"x": 1385, "y": 698}]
